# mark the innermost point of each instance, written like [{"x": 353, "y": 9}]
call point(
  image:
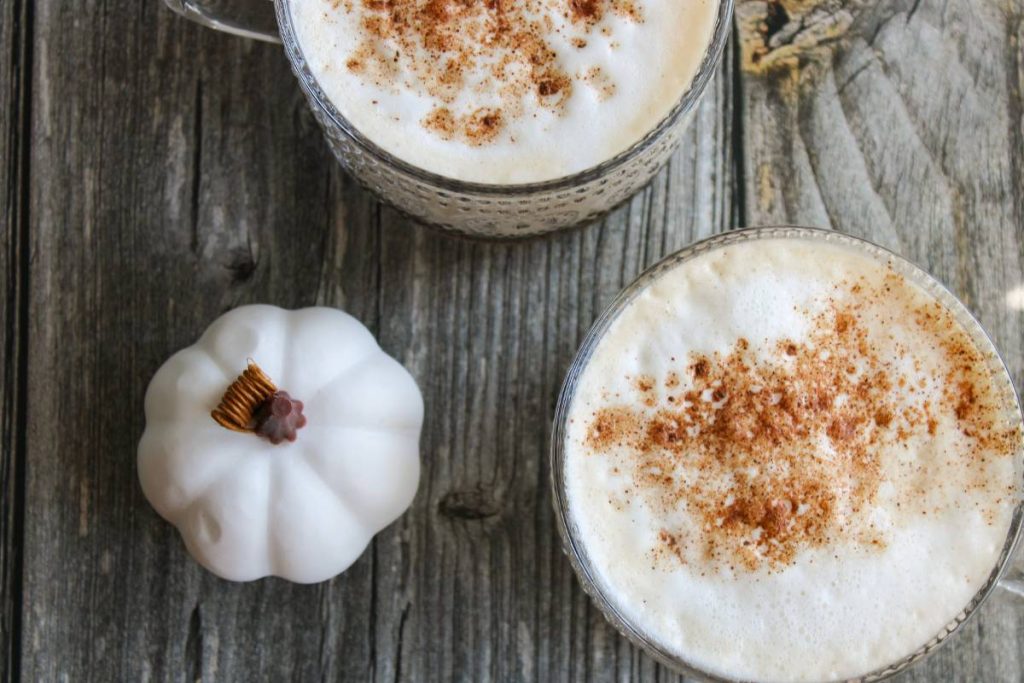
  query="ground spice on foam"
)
[
  {"x": 779, "y": 451},
  {"x": 443, "y": 47}
]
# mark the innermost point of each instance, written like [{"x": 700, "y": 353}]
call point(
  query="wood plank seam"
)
[
  {"x": 740, "y": 214},
  {"x": 1015, "y": 89},
  {"x": 15, "y": 372}
]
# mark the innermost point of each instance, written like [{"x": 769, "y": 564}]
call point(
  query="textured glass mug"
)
[
  {"x": 477, "y": 209},
  {"x": 1003, "y": 575}
]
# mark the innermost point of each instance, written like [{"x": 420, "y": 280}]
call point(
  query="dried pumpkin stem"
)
[{"x": 243, "y": 398}]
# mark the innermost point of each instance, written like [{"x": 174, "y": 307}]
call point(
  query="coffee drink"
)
[
  {"x": 504, "y": 91},
  {"x": 785, "y": 460}
]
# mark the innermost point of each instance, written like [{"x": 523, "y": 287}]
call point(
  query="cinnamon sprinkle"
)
[
  {"x": 444, "y": 47},
  {"x": 777, "y": 450}
]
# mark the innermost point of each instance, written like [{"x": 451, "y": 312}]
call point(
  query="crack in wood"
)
[
  {"x": 400, "y": 644},
  {"x": 740, "y": 213},
  {"x": 16, "y": 80},
  {"x": 194, "y": 645},
  {"x": 371, "y": 622},
  {"x": 913, "y": 10},
  {"x": 852, "y": 77},
  {"x": 197, "y": 163}
]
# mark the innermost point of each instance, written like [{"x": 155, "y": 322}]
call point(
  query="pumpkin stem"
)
[
  {"x": 253, "y": 404},
  {"x": 238, "y": 406}
]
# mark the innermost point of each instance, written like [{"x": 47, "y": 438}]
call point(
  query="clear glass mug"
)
[
  {"x": 1006, "y": 575},
  {"x": 476, "y": 209}
]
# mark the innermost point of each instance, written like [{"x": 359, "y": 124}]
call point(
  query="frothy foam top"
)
[
  {"x": 787, "y": 462},
  {"x": 504, "y": 91}
]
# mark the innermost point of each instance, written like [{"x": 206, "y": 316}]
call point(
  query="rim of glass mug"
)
[
  {"x": 574, "y": 548},
  {"x": 689, "y": 99}
]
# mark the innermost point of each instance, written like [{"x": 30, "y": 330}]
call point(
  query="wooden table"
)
[{"x": 156, "y": 174}]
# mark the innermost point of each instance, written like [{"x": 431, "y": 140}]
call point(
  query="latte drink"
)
[
  {"x": 504, "y": 91},
  {"x": 786, "y": 461}
]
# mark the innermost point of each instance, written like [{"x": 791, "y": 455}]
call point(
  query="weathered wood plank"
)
[
  {"x": 184, "y": 176},
  {"x": 480, "y": 589},
  {"x": 14, "y": 65},
  {"x": 175, "y": 174},
  {"x": 901, "y": 122},
  {"x": 194, "y": 180}
]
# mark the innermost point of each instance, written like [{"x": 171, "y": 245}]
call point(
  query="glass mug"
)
[
  {"x": 470, "y": 208},
  {"x": 1006, "y": 574}
]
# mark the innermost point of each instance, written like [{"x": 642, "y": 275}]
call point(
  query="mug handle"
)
[
  {"x": 247, "y": 18},
  {"x": 1013, "y": 580}
]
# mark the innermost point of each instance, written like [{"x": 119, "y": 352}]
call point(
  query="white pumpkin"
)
[{"x": 305, "y": 509}]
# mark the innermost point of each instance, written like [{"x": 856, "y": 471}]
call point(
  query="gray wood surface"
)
[{"x": 156, "y": 174}]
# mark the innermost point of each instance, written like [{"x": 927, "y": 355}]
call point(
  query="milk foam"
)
[
  {"x": 627, "y": 75},
  {"x": 833, "y": 611}
]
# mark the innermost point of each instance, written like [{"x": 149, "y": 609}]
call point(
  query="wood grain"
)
[
  {"x": 901, "y": 122},
  {"x": 204, "y": 185},
  {"x": 174, "y": 173},
  {"x": 14, "y": 259}
]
